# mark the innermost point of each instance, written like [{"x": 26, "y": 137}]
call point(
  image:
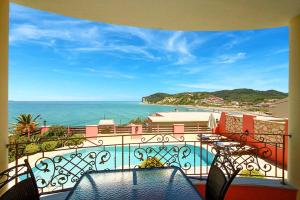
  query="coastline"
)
[{"x": 214, "y": 109}]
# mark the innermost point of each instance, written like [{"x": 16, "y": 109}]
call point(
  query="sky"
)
[{"x": 58, "y": 58}]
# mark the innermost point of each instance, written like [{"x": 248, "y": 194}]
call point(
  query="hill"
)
[{"x": 221, "y": 97}]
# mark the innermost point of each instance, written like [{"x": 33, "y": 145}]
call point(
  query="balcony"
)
[
  {"x": 176, "y": 15},
  {"x": 262, "y": 161}
]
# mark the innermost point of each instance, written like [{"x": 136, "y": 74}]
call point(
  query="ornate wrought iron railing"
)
[{"x": 59, "y": 163}]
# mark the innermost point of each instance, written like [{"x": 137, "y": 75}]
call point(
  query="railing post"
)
[
  {"x": 16, "y": 162},
  {"x": 200, "y": 156},
  {"x": 122, "y": 152},
  {"x": 283, "y": 159}
]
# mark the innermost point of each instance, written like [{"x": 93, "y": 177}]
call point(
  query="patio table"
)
[{"x": 157, "y": 183}]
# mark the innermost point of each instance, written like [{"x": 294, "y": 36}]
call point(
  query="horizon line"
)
[{"x": 70, "y": 100}]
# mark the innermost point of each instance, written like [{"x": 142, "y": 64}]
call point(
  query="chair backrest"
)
[
  {"x": 25, "y": 189},
  {"x": 220, "y": 176}
]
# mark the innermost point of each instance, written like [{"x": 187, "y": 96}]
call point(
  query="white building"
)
[{"x": 186, "y": 118}]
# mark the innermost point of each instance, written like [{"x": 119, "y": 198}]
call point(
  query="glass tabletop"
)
[{"x": 157, "y": 183}]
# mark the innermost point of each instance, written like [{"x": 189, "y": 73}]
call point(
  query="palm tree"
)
[{"x": 26, "y": 124}]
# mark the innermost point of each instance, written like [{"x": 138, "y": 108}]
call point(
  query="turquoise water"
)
[
  {"x": 84, "y": 113},
  {"x": 66, "y": 169}
]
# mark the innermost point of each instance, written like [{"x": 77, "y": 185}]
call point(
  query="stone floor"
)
[{"x": 56, "y": 196}]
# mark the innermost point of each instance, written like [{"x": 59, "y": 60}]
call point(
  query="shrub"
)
[
  {"x": 251, "y": 173},
  {"x": 35, "y": 138},
  {"x": 12, "y": 138},
  {"x": 11, "y": 155},
  {"x": 57, "y": 131},
  {"x": 49, "y": 146},
  {"x": 17, "y": 139},
  {"x": 151, "y": 162},
  {"x": 21, "y": 141},
  {"x": 32, "y": 149},
  {"x": 75, "y": 140}
]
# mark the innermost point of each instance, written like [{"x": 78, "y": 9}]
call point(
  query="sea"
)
[{"x": 80, "y": 113}]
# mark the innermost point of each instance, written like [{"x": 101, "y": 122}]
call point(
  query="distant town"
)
[{"x": 242, "y": 99}]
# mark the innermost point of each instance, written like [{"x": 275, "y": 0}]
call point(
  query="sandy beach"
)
[{"x": 236, "y": 110}]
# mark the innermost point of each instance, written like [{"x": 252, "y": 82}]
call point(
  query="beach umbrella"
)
[{"x": 212, "y": 122}]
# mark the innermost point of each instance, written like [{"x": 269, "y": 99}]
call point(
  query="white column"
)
[
  {"x": 4, "y": 22},
  {"x": 294, "y": 105}
]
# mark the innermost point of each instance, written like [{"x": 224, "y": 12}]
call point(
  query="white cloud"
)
[
  {"x": 31, "y": 26},
  {"x": 127, "y": 49},
  {"x": 190, "y": 70},
  {"x": 30, "y": 33},
  {"x": 143, "y": 34},
  {"x": 183, "y": 70},
  {"x": 109, "y": 73},
  {"x": 79, "y": 39},
  {"x": 178, "y": 44},
  {"x": 204, "y": 86},
  {"x": 279, "y": 51},
  {"x": 171, "y": 43},
  {"x": 272, "y": 68},
  {"x": 234, "y": 40},
  {"x": 227, "y": 59},
  {"x": 89, "y": 71}
]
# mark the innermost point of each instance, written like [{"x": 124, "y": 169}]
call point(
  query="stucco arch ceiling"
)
[{"x": 177, "y": 14}]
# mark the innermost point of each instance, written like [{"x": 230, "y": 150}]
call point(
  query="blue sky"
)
[{"x": 53, "y": 57}]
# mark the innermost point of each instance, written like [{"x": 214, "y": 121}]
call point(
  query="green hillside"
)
[
  {"x": 153, "y": 98},
  {"x": 195, "y": 98},
  {"x": 249, "y": 95}
]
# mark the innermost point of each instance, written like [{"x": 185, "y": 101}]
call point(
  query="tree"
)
[
  {"x": 57, "y": 131},
  {"x": 138, "y": 120},
  {"x": 26, "y": 124}
]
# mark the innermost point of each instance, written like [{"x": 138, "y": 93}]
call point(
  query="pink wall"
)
[
  {"x": 44, "y": 129},
  {"x": 248, "y": 124},
  {"x": 91, "y": 130},
  {"x": 136, "y": 131},
  {"x": 221, "y": 127},
  {"x": 178, "y": 130}
]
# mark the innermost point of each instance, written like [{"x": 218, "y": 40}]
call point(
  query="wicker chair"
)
[
  {"x": 25, "y": 189},
  {"x": 220, "y": 176}
]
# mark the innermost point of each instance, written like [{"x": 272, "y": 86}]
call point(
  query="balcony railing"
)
[
  {"x": 123, "y": 129},
  {"x": 58, "y": 169}
]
